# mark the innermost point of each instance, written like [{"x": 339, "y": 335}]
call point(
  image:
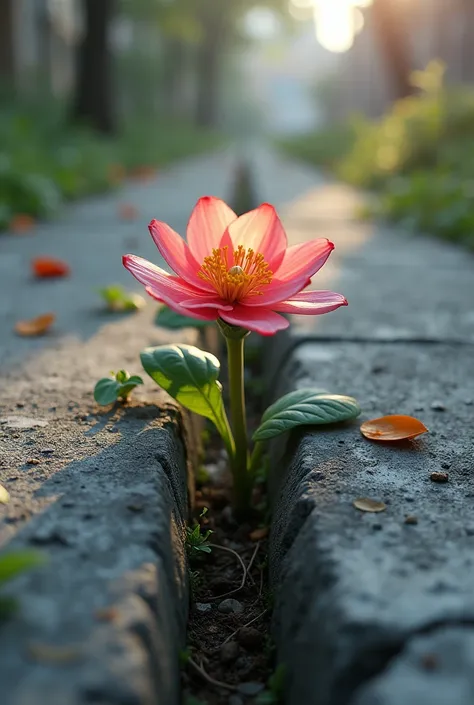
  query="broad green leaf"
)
[
  {"x": 167, "y": 318},
  {"x": 189, "y": 375},
  {"x": 291, "y": 399},
  {"x": 106, "y": 391},
  {"x": 12, "y": 564},
  {"x": 305, "y": 407},
  {"x": 4, "y": 496}
]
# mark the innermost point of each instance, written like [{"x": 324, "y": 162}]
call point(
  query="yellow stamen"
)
[{"x": 245, "y": 277}]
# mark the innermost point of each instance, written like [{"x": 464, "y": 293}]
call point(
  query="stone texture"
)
[
  {"x": 353, "y": 587},
  {"x": 104, "y": 619},
  {"x": 374, "y": 609}
]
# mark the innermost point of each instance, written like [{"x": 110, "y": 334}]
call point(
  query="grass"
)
[
  {"x": 45, "y": 161},
  {"x": 418, "y": 158}
]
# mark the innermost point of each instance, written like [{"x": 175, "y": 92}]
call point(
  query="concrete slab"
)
[{"x": 102, "y": 493}]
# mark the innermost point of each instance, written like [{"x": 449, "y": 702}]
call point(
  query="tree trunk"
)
[
  {"x": 207, "y": 66},
  {"x": 394, "y": 44},
  {"x": 467, "y": 43},
  {"x": 94, "y": 95},
  {"x": 7, "y": 49},
  {"x": 175, "y": 64}
]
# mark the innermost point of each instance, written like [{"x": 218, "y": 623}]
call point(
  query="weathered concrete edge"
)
[{"x": 133, "y": 613}]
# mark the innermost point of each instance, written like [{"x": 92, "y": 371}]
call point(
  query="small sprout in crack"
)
[
  {"x": 118, "y": 386},
  {"x": 197, "y": 541}
]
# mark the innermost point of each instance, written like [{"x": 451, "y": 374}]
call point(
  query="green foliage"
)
[
  {"x": 197, "y": 541},
  {"x": 167, "y": 318},
  {"x": 11, "y": 565},
  {"x": 419, "y": 157},
  {"x": 109, "y": 389},
  {"x": 44, "y": 160},
  {"x": 117, "y": 299},
  {"x": 276, "y": 688},
  {"x": 305, "y": 407},
  {"x": 190, "y": 375}
]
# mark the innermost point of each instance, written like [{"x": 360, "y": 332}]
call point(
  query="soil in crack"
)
[{"x": 230, "y": 654}]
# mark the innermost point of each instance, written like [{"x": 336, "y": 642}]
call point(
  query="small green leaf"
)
[
  {"x": 12, "y": 564},
  {"x": 167, "y": 318},
  {"x": 190, "y": 375},
  {"x": 122, "y": 376},
  {"x": 203, "y": 548},
  {"x": 106, "y": 391},
  {"x": 305, "y": 407},
  {"x": 117, "y": 299},
  {"x": 135, "y": 380},
  {"x": 4, "y": 496}
]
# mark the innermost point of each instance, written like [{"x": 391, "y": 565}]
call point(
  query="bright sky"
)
[{"x": 337, "y": 21}]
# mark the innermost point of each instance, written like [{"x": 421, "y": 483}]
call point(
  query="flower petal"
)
[
  {"x": 160, "y": 281},
  {"x": 207, "y": 225},
  {"x": 261, "y": 321},
  {"x": 304, "y": 260},
  {"x": 176, "y": 253},
  {"x": 275, "y": 292},
  {"x": 311, "y": 303},
  {"x": 262, "y": 230},
  {"x": 212, "y": 301},
  {"x": 204, "y": 314}
]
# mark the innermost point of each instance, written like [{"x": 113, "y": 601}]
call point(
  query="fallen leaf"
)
[
  {"x": 22, "y": 223},
  {"x": 393, "y": 428},
  {"x": 36, "y": 326},
  {"x": 116, "y": 173},
  {"x": 107, "y": 614},
  {"x": 364, "y": 504},
  {"x": 48, "y": 653},
  {"x": 4, "y": 496},
  {"x": 259, "y": 534},
  {"x": 44, "y": 267},
  {"x": 144, "y": 172},
  {"x": 127, "y": 211}
]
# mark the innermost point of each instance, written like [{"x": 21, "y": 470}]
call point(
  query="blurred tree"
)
[
  {"x": 467, "y": 41},
  {"x": 93, "y": 102},
  {"x": 6, "y": 41},
  {"x": 389, "y": 23}
]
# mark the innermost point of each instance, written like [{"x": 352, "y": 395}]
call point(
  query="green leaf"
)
[
  {"x": 190, "y": 375},
  {"x": 4, "y": 496},
  {"x": 305, "y": 407},
  {"x": 135, "y": 380},
  {"x": 122, "y": 376},
  {"x": 12, "y": 564},
  {"x": 167, "y": 318},
  {"x": 118, "y": 299},
  {"x": 106, "y": 391}
]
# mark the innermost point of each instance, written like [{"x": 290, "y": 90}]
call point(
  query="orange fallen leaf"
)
[
  {"x": 22, "y": 223},
  {"x": 259, "y": 534},
  {"x": 395, "y": 427},
  {"x": 116, "y": 173},
  {"x": 127, "y": 211},
  {"x": 45, "y": 267},
  {"x": 36, "y": 326},
  {"x": 144, "y": 172},
  {"x": 364, "y": 504}
]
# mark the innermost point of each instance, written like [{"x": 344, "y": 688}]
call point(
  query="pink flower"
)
[{"x": 238, "y": 269}]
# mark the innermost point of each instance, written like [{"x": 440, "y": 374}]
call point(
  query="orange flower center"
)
[{"x": 246, "y": 277}]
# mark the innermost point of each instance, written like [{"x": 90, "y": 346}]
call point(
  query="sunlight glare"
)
[{"x": 335, "y": 25}]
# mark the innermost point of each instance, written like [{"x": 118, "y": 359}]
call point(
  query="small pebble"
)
[
  {"x": 203, "y": 606},
  {"x": 439, "y": 477},
  {"x": 250, "y": 688},
  {"x": 410, "y": 519},
  {"x": 445, "y": 466},
  {"x": 32, "y": 461},
  {"x": 438, "y": 406},
  {"x": 250, "y": 638},
  {"x": 469, "y": 402},
  {"x": 229, "y": 652},
  {"x": 231, "y": 606},
  {"x": 47, "y": 451}
]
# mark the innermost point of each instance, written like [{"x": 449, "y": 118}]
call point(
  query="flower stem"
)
[{"x": 242, "y": 479}]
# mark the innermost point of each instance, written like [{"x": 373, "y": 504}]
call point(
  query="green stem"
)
[
  {"x": 256, "y": 457},
  {"x": 242, "y": 480}
]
